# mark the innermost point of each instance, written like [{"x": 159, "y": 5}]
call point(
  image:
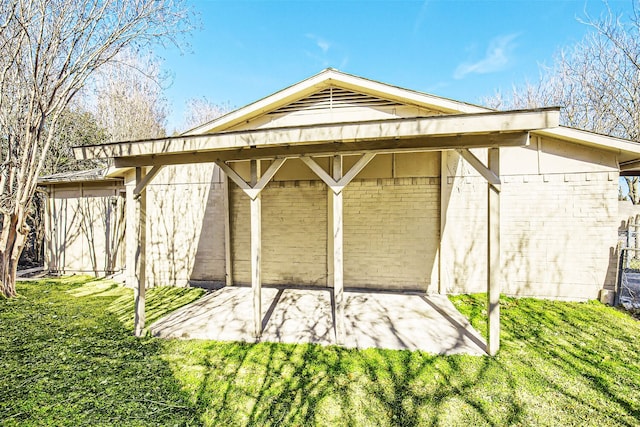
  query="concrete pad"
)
[
  {"x": 294, "y": 315},
  {"x": 223, "y": 315},
  {"x": 409, "y": 322},
  {"x": 300, "y": 316}
]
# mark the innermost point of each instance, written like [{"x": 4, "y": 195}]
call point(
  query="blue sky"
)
[{"x": 465, "y": 50}]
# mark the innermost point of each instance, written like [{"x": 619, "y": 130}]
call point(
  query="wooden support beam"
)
[
  {"x": 252, "y": 190},
  {"x": 419, "y": 144},
  {"x": 631, "y": 165},
  {"x": 317, "y": 169},
  {"x": 142, "y": 185},
  {"x": 140, "y": 257},
  {"x": 338, "y": 266},
  {"x": 266, "y": 177},
  {"x": 355, "y": 169},
  {"x": 368, "y": 131},
  {"x": 444, "y": 206},
  {"x": 256, "y": 251},
  {"x": 493, "y": 257},
  {"x": 338, "y": 184},
  {"x": 477, "y": 164},
  {"x": 228, "y": 261},
  {"x": 329, "y": 238},
  {"x": 234, "y": 176}
]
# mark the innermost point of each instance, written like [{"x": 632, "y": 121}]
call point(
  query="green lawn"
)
[{"x": 67, "y": 357}]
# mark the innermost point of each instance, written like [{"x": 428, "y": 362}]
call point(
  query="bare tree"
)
[
  {"x": 200, "y": 111},
  {"x": 76, "y": 126},
  {"x": 596, "y": 81},
  {"x": 129, "y": 100},
  {"x": 48, "y": 51}
]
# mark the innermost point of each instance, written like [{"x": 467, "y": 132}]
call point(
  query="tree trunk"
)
[
  {"x": 10, "y": 254},
  {"x": 632, "y": 183}
]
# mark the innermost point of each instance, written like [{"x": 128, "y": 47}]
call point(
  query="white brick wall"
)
[
  {"x": 294, "y": 234},
  {"x": 557, "y": 229},
  {"x": 391, "y": 233},
  {"x": 558, "y": 232}
]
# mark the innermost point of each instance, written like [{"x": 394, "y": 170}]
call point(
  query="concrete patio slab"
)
[{"x": 401, "y": 321}]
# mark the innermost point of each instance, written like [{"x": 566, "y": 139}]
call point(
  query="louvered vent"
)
[{"x": 334, "y": 98}]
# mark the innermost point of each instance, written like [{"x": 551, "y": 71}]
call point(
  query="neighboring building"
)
[
  {"x": 84, "y": 223},
  {"x": 414, "y": 218}
]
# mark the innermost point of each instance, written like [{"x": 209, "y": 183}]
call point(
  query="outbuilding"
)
[{"x": 340, "y": 181}]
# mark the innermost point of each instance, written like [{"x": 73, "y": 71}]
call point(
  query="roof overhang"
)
[
  {"x": 630, "y": 168},
  {"x": 478, "y": 130},
  {"x": 627, "y": 150},
  {"x": 98, "y": 175}
]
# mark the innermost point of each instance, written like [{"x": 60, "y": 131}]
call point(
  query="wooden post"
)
[
  {"x": 258, "y": 182},
  {"x": 338, "y": 269},
  {"x": 336, "y": 183},
  {"x": 256, "y": 251},
  {"x": 444, "y": 201},
  {"x": 228, "y": 262},
  {"x": 493, "y": 256},
  {"x": 49, "y": 229},
  {"x": 140, "y": 257},
  {"x": 329, "y": 237}
]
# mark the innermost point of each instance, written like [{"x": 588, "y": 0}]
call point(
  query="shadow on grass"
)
[
  {"x": 276, "y": 384},
  {"x": 561, "y": 364},
  {"x": 65, "y": 361},
  {"x": 159, "y": 302}
]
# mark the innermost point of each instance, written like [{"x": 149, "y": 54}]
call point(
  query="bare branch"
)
[{"x": 48, "y": 52}]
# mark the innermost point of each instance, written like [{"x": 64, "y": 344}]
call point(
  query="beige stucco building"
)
[{"x": 419, "y": 193}]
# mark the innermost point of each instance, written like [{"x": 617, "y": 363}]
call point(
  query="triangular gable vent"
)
[{"x": 334, "y": 98}]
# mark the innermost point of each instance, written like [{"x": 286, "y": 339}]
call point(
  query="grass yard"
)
[{"x": 67, "y": 357}]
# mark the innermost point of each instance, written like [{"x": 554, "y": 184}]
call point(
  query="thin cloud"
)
[
  {"x": 496, "y": 58},
  {"x": 320, "y": 42},
  {"x": 421, "y": 16},
  {"x": 329, "y": 54}
]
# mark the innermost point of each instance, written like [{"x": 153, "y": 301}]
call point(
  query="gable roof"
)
[
  {"x": 332, "y": 78},
  {"x": 242, "y": 129},
  {"x": 303, "y": 94}
]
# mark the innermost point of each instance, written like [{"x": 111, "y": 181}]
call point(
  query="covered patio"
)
[
  {"x": 328, "y": 315},
  {"x": 390, "y": 320}
]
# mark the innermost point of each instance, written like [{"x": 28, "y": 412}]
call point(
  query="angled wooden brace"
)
[
  {"x": 142, "y": 185},
  {"x": 252, "y": 191},
  {"x": 483, "y": 170},
  {"x": 338, "y": 186}
]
